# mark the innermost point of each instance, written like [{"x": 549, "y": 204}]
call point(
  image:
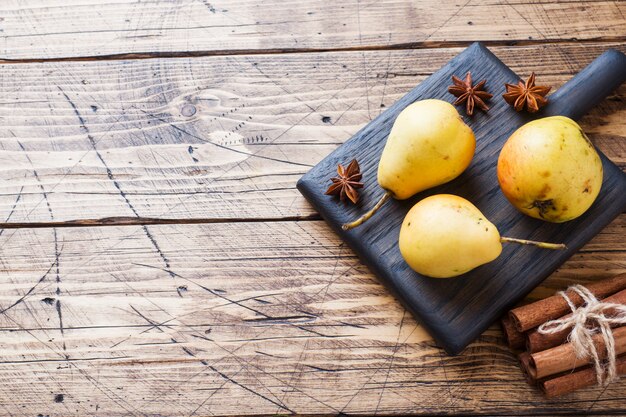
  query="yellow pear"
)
[
  {"x": 445, "y": 235},
  {"x": 548, "y": 169},
  {"x": 429, "y": 145}
]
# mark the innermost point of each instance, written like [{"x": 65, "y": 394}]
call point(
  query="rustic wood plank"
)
[
  {"x": 54, "y": 29},
  {"x": 248, "y": 317},
  {"x": 218, "y": 137},
  {"x": 189, "y": 320}
]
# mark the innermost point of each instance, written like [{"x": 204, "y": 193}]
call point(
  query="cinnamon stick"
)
[
  {"x": 536, "y": 342},
  {"x": 562, "y": 358},
  {"x": 524, "y": 363},
  {"x": 514, "y": 338},
  {"x": 573, "y": 381},
  {"x": 532, "y": 315}
]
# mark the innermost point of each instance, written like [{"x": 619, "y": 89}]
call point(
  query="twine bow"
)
[{"x": 585, "y": 322}]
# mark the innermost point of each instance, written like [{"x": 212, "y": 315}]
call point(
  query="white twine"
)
[{"x": 586, "y": 321}]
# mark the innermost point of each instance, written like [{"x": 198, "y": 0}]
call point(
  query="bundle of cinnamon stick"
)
[{"x": 548, "y": 360}]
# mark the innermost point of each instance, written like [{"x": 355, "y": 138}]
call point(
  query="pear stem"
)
[
  {"x": 545, "y": 245},
  {"x": 363, "y": 218}
]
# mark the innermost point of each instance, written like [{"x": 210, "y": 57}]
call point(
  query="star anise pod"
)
[
  {"x": 347, "y": 182},
  {"x": 469, "y": 94},
  {"x": 526, "y": 94}
]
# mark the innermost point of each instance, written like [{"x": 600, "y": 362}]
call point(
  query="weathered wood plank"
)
[
  {"x": 59, "y": 28},
  {"x": 189, "y": 320},
  {"x": 217, "y": 137}
]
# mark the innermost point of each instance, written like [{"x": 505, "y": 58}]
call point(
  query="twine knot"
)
[{"x": 586, "y": 321}]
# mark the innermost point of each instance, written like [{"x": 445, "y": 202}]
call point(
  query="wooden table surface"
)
[{"x": 156, "y": 256}]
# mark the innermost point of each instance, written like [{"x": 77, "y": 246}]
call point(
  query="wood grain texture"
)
[
  {"x": 259, "y": 314},
  {"x": 58, "y": 28},
  {"x": 457, "y": 311},
  {"x": 258, "y": 124},
  {"x": 283, "y": 319}
]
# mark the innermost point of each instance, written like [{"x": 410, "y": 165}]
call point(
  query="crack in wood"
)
[
  {"x": 282, "y": 51},
  {"x": 115, "y": 183},
  {"x": 139, "y": 221},
  {"x": 56, "y": 244},
  {"x": 29, "y": 292},
  {"x": 226, "y": 377}
]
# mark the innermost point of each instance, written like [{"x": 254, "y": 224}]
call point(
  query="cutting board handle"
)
[{"x": 589, "y": 87}]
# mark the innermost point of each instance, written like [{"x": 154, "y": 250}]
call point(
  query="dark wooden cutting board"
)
[{"x": 456, "y": 311}]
